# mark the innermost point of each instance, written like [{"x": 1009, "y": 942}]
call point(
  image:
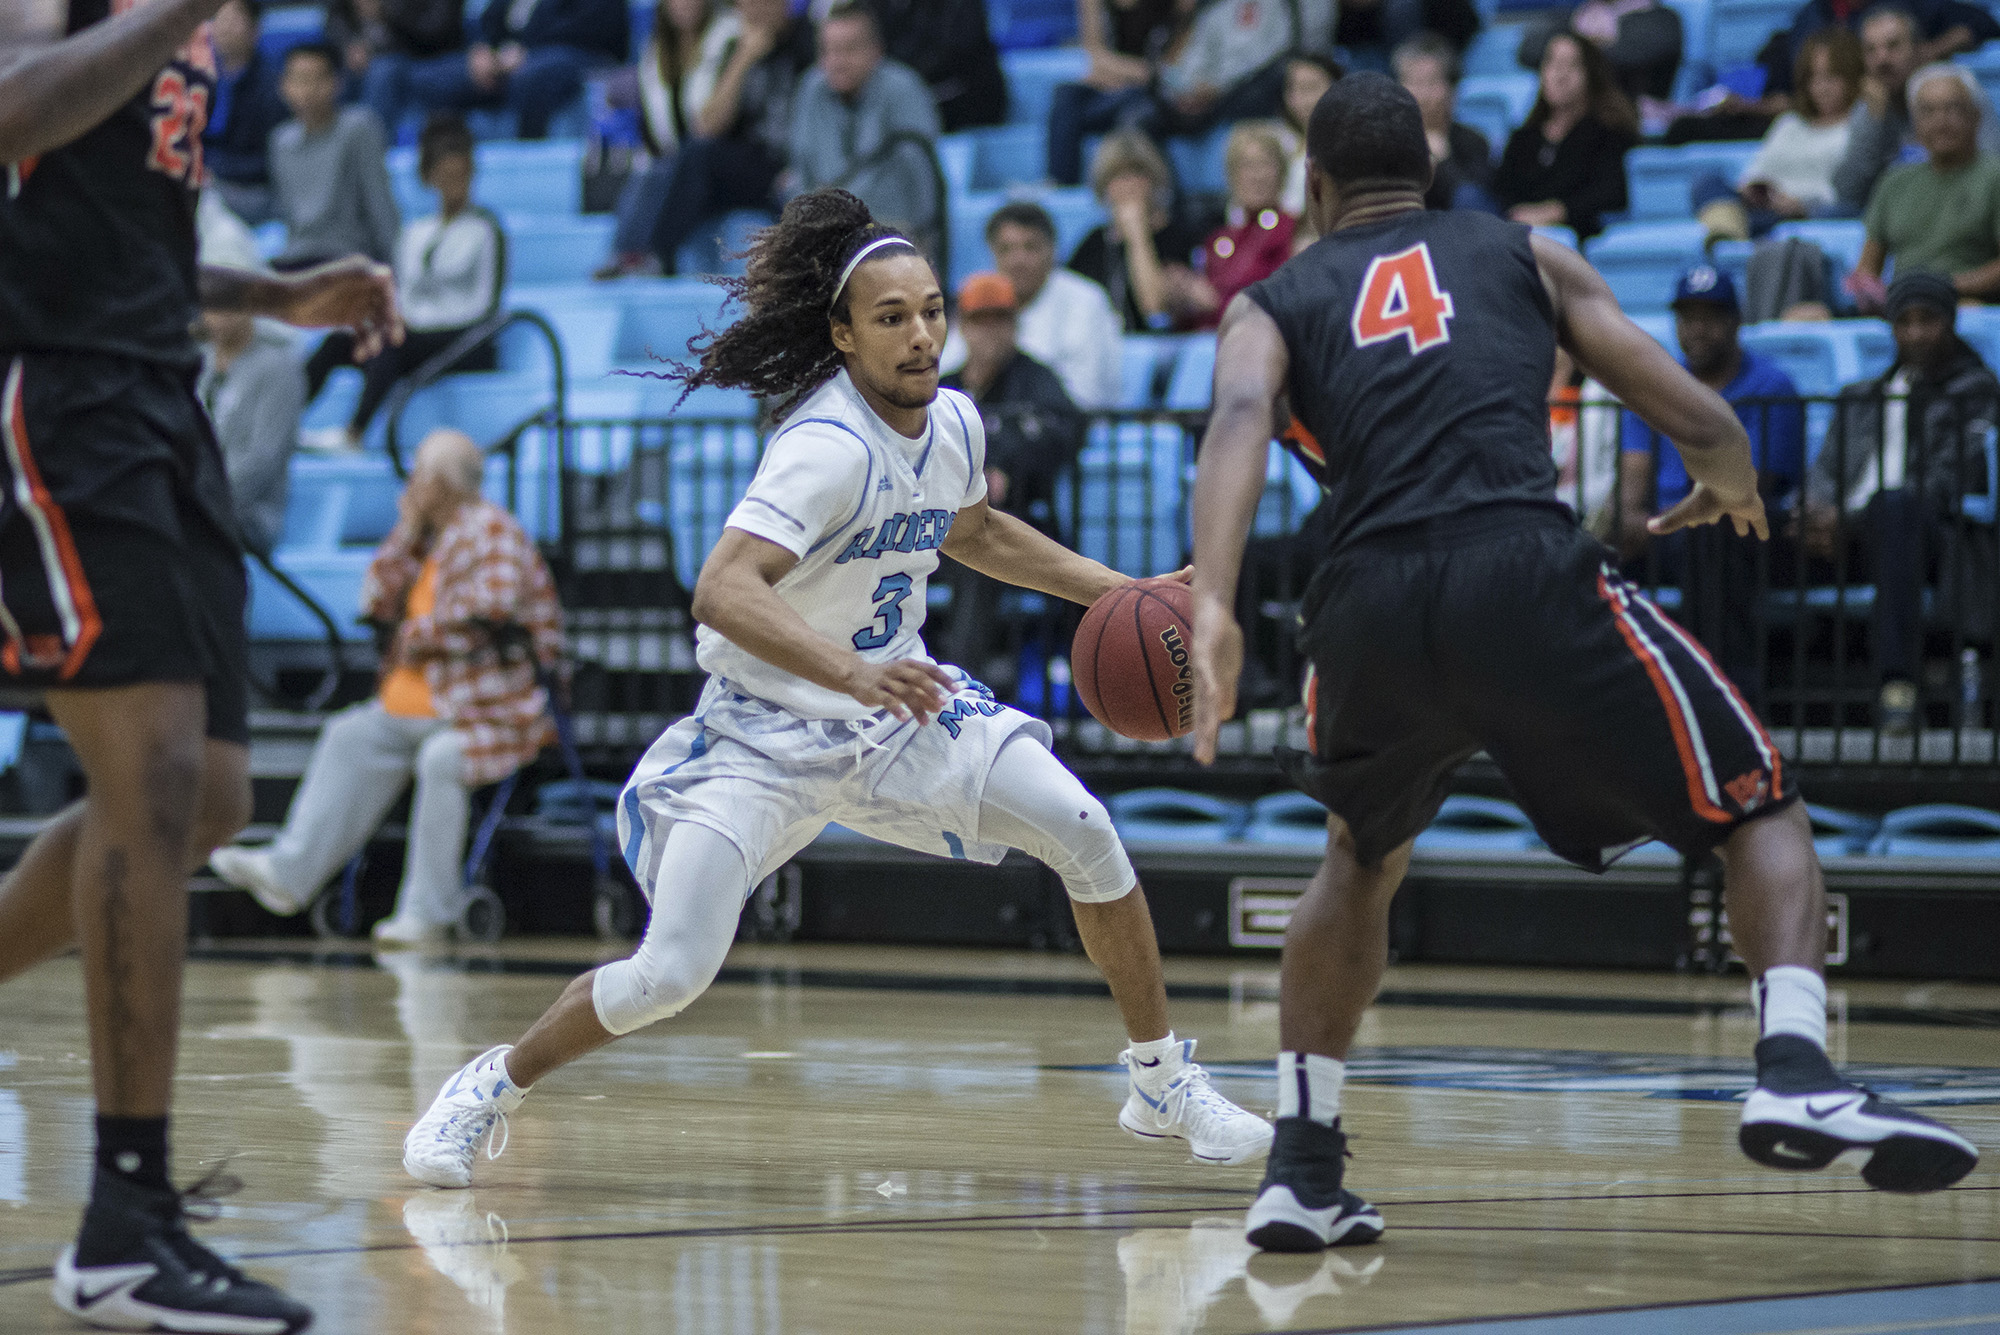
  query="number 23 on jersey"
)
[{"x": 1400, "y": 298}]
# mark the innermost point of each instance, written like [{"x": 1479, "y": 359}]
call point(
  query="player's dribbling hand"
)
[
  {"x": 906, "y": 687},
  {"x": 1218, "y": 664},
  {"x": 355, "y": 293},
  {"x": 1704, "y": 506}
]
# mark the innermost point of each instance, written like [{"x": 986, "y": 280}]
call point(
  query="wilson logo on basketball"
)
[{"x": 1177, "y": 654}]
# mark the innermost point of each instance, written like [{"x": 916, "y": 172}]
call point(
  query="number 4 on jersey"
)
[{"x": 1400, "y": 297}]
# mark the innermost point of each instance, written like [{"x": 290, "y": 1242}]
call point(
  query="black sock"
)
[
  {"x": 133, "y": 1148},
  {"x": 1788, "y": 1064}
]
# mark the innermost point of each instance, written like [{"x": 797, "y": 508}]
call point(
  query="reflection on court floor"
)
[{"x": 887, "y": 1141}]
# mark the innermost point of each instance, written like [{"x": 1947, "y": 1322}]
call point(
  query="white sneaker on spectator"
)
[
  {"x": 330, "y": 440},
  {"x": 250, "y": 869},
  {"x": 397, "y": 930}
]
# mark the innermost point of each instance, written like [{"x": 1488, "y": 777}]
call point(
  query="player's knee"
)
[
  {"x": 224, "y": 811},
  {"x": 1091, "y": 859},
  {"x": 653, "y": 985},
  {"x": 441, "y": 759}
]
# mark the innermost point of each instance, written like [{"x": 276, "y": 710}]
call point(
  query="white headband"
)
[{"x": 855, "y": 263}]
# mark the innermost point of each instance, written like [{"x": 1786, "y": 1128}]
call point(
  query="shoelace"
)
[
  {"x": 202, "y": 1201},
  {"x": 1195, "y": 1089},
  {"x": 462, "y": 1128}
]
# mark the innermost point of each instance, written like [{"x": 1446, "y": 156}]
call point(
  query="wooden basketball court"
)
[{"x": 888, "y": 1140}]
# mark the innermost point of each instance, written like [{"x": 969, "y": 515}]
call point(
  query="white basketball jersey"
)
[{"x": 865, "y": 510}]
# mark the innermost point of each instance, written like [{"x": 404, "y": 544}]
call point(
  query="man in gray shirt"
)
[
  {"x": 329, "y": 173},
  {"x": 255, "y": 391},
  {"x": 868, "y": 124}
]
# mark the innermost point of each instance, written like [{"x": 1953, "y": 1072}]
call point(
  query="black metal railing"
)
[{"x": 1862, "y": 583}]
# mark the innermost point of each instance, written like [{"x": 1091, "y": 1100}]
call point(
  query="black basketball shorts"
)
[
  {"x": 119, "y": 561},
  {"x": 1511, "y": 632}
]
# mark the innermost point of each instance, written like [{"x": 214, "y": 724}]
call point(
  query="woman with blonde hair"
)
[{"x": 1256, "y": 233}]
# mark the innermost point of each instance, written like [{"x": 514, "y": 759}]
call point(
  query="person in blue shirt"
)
[
  {"x": 245, "y": 111},
  {"x": 1716, "y": 571}
]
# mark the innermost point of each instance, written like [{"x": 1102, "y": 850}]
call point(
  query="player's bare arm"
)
[
  {"x": 996, "y": 543},
  {"x": 735, "y": 596},
  {"x": 1250, "y": 368},
  {"x": 1628, "y": 362},
  {"x": 354, "y": 293},
  {"x": 54, "y": 88}
]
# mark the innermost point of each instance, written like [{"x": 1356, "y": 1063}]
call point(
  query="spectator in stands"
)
[
  {"x": 456, "y": 585},
  {"x": 743, "y": 132},
  {"x": 867, "y": 124},
  {"x": 449, "y": 272},
  {"x": 947, "y": 43},
  {"x": 1307, "y": 77},
  {"x": 1461, "y": 159},
  {"x": 1641, "y": 39},
  {"x": 1062, "y": 319},
  {"x": 1127, "y": 41},
  {"x": 237, "y": 142},
  {"x": 1370, "y": 30},
  {"x": 1943, "y": 215},
  {"x": 1937, "y": 29},
  {"x": 677, "y": 74},
  {"x": 1144, "y": 257},
  {"x": 379, "y": 39},
  {"x": 1565, "y": 166},
  {"x": 255, "y": 392},
  {"x": 1885, "y": 489},
  {"x": 1882, "y": 134},
  {"x": 1229, "y": 65},
  {"x": 1791, "y": 175},
  {"x": 1255, "y": 236},
  {"x": 1714, "y": 567},
  {"x": 1033, "y": 431},
  {"x": 529, "y": 56},
  {"x": 329, "y": 175}
]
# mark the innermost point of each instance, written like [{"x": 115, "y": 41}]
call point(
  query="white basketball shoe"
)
[
  {"x": 442, "y": 1145},
  {"x": 250, "y": 869},
  {"x": 1175, "y": 1101}
]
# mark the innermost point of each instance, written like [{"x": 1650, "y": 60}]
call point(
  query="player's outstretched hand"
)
[
  {"x": 355, "y": 293},
  {"x": 905, "y": 687},
  {"x": 1218, "y": 664},
  {"x": 1703, "y": 506}
]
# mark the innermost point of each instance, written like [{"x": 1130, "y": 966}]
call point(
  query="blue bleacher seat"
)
[
  {"x": 1125, "y": 506},
  {"x": 1939, "y": 830},
  {"x": 1838, "y": 833},
  {"x": 1494, "y": 104},
  {"x": 1493, "y": 51},
  {"x": 587, "y": 318},
  {"x": 1289, "y": 496},
  {"x": 556, "y": 248},
  {"x": 1478, "y": 825},
  {"x": 511, "y": 176},
  {"x": 1073, "y": 209},
  {"x": 1177, "y": 816},
  {"x": 1980, "y": 326},
  {"x": 661, "y": 315},
  {"x": 283, "y": 27},
  {"x": 1023, "y": 24},
  {"x": 1032, "y": 76},
  {"x": 333, "y": 578},
  {"x": 1820, "y": 357},
  {"x": 955, "y": 153},
  {"x": 1840, "y": 239},
  {"x": 1733, "y": 258},
  {"x": 1286, "y": 818},
  {"x": 1004, "y": 156},
  {"x": 1696, "y": 69},
  {"x": 1141, "y": 359},
  {"x": 1198, "y": 163},
  {"x": 1643, "y": 261},
  {"x": 709, "y": 467},
  {"x": 1193, "y": 380},
  {"x": 1660, "y": 324},
  {"x": 1739, "y": 28},
  {"x": 1658, "y": 180}
]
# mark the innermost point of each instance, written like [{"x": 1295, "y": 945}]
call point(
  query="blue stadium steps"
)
[
  {"x": 1659, "y": 180},
  {"x": 1643, "y": 261},
  {"x": 514, "y": 177}
]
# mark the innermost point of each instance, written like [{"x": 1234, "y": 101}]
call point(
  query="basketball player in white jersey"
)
[{"x": 822, "y": 704}]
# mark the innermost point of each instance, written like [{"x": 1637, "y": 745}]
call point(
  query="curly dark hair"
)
[{"x": 782, "y": 347}]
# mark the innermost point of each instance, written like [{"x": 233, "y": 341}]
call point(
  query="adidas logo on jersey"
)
[{"x": 919, "y": 532}]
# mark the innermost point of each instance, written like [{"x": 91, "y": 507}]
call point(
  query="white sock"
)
[
  {"x": 1791, "y": 1000},
  {"x": 1309, "y": 1086},
  {"x": 1155, "y": 1062}
]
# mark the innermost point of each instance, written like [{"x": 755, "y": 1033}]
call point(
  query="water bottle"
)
[{"x": 1968, "y": 687}]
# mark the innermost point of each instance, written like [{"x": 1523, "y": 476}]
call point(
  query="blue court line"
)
[{"x": 1960, "y": 1309}]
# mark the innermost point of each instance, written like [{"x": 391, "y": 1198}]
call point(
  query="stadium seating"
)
[
  {"x": 1023, "y": 24},
  {"x": 1174, "y": 815},
  {"x": 1286, "y": 818},
  {"x": 1032, "y": 76},
  {"x": 556, "y": 248},
  {"x": 1642, "y": 261},
  {"x": 1494, "y": 104},
  {"x": 1838, "y": 833},
  {"x": 1074, "y": 209},
  {"x": 1466, "y": 824},
  {"x": 1125, "y": 506},
  {"x": 1739, "y": 28},
  {"x": 1658, "y": 180},
  {"x": 1492, "y": 53},
  {"x": 513, "y": 177},
  {"x": 1938, "y": 830}
]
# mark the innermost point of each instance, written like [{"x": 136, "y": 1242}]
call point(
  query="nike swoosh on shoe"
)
[{"x": 1820, "y": 1115}]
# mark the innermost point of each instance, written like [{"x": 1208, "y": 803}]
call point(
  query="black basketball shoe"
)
[
  {"x": 134, "y": 1267},
  {"x": 1802, "y": 1116},
  {"x": 1301, "y": 1206}
]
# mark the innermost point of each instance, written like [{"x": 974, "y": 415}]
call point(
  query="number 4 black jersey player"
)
[
  {"x": 122, "y": 586},
  {"x": 1459, "y": 608}
]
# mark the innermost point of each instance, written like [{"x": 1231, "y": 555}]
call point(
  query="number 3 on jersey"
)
[
  {"x": 888, "y": 600},
  {"x": 1400, "y": 297}
]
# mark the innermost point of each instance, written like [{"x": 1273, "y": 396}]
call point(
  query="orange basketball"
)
[{"x": 1130, "y": 661}]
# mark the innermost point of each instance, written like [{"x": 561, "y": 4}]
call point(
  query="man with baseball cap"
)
[
  {"x": 1715, "y": 569},
  {"x": 1032, "y": 431},
  {"x": 1887, "y": 487}
]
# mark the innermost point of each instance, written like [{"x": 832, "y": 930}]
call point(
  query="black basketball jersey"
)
[
  {"x": 97, "y": 238},
  {"x": 1421, "y": 352}
]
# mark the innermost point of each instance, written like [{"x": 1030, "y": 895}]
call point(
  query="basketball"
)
[{"x": 1130, "y": 661}]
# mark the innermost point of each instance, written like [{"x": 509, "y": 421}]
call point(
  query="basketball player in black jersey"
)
[
  {"x": 122, "y": 585},
  {"x": 1405, "y": 359}
]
